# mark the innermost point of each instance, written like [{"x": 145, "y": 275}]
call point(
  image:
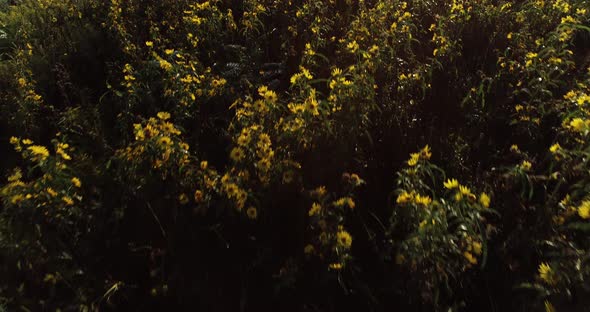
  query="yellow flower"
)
[
  {"x": 39, "y": 152},
  {"x": 345, "y": 201},
  {"x": 76, "y": 182},
  {"x": 549, "y": 307},
  {"x": 204, "y": 164},
  {"x": 546, "y": 273},
  {"x": 353, "y": 46},
  {"x": 315, "y": 208},
  {"x": 584, "y": 210},
  {"x": 554, "y": 148},
  {"x": 163, "y": 115},
  {"x": 414, "y": 157},
  {"x": 344, "y": 239},
  {"x": 476, "y": 247},
  {"x": 169, "y": 51},
  {"x": 451, "y": 184},
  {"x": 484, "y": 200},
  {"x": 68, "y": 200},
  {"x": 422, "y": 200},
  {"x": 149, "y": 43},
  {"x": 404, "y": 197},
  {"x": 514, "y": 148},
  {"x": 51, "y": 192},
  {"x": 425, "y": 152},
  {"x": 464, "y": 190},
  {"x": 27, "y": 142},
  {"x": 165, "y": 141},
  {"x": 470, "y": 257},
  {"x": 198, "y": 196},
  {"x": 335, "y": 266},
  {"x": 252, "y": 213},
  {"x": 237, "y": 154},
  {"x": 183, "y": 199},
  {"x": 525, "y": 165},
  {"x": 577, "y": 124},
  {"x": 319, "y": 192}
]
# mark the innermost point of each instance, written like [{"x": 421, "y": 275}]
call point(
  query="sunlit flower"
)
[
  {"x": 315, "y": 208},
  {"x": 38, "y": 152},
  {"x": 344, "y": 239},
  {"x": 470, "y": 257},
  {"x": 484, "y": 200},
  {"x": 546, "y": 273},
  {"x": 76, "y": 182},
  {"x": 252, "y": 213},
  {"x": 584, "y": 210},
  {"x": 451, "y": 184},
  {"x": 163, "y": 115}
]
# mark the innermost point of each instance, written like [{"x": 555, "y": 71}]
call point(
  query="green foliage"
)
[{"x": 242, "y": 155}]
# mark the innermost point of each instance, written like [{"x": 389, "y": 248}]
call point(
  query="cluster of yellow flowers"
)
[
  {"x": 55, "y": 187},
  {"x": 158, "y": 139},
  {"x": 424, "y": 155}
]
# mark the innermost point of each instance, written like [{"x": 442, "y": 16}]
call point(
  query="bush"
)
[{"x": 253, "y": 155}]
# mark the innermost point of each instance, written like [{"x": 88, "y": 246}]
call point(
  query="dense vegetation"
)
[{"x": 317, "y": 155}]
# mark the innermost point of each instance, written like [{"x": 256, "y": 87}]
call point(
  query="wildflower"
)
[
  {"x": 484, "y": 200},
  {"x": 76, "y": 182},
  {"x": 356, "y": 180},
  {"x": 198, "y": 196},
  {"x": 165, "y": 141},
  {"x": 353, "y": 46},
  {"x": 203, "y": 164},
  {"x": 169, "y": 51},
  {"x": 464, "y": 190},
  {"x": 470, "y": 257},
  {"x": 237, "y": 154},
  {"x": 584, "y": 210},
  {"x": 414, "y": 157},
  {"x": 422, "y": 200},
  {"x": 404, "y": 197},
  {"x": 451, "y": 184},
  {"x": 60, "y": 151},
  {"x": 525, "y": 165},
  {"x": 51, "y": 192},
  {"x": 425, "y": 152},
  {"x": 149, "y": 43},
  {"x": 252, "y": 213},
  {"x": 38, "y": 152},
  {"x": 345, "y": 201},
  {"x": 549, "y": 307},
  {"x": 554, "y": 148},
  {"x": 336, "y": 71},
  {"x": 577, "y": 124},
  {"x": 68, "y": 200},
  {"x": 344, "y": 239},
  {"x": 315, "y": 208},
  {"x": 514, "y": 148},
  {"x": 476, "y": 248},
  {"x": 319, "y": 192},
  {"x": 546, "y": 273},
  {"x": 183, "y": 199},
  {"x": 163, "y": 115},
  {"x": 335, "y": 266}
]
